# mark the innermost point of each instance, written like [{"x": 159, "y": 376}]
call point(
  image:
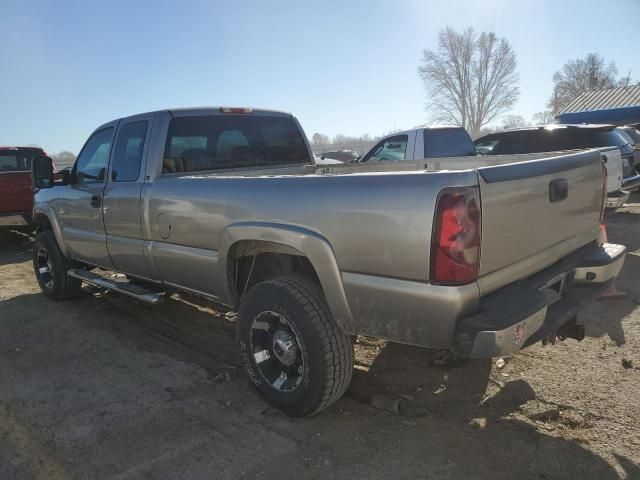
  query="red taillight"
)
[{"x": 455, "y": 245}]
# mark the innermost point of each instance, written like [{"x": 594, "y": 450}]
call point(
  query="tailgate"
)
[
  {"x": 15, "y": 192},
  {"x": 534, "y": 213}
]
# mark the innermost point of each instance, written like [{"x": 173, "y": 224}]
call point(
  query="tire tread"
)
[
  {"x": 335, "y": 345},
  {"x": 65, "y": 287}
]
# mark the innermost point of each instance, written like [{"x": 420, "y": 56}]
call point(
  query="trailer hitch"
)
[{"x": 571, "y": 329}]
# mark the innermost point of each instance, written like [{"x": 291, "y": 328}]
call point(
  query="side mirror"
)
[{"x": 42, "y": 172}]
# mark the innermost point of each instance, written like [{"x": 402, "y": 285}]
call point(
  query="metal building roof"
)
[{"x": 606, "y": 99}]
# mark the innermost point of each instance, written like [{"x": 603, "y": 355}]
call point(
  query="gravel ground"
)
[{"x": 106, "y": 388}]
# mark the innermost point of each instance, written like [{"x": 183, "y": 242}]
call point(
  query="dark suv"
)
[
  {"x": 632, "y": 133},
  {"x": 551, "y": 138}
]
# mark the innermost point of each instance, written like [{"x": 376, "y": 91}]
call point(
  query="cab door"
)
[
  {"x": 122, "y": 195},
  {"x": 79, "y": 206}
]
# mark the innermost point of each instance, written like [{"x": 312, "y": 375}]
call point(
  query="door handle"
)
[
  {"x": 96, "y": 201},
  {"x": 558, "y": 189}
]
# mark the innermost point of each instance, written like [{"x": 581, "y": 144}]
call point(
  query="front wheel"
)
[
  {"x": 292, "y": 349},
  {"x": 51, "y": 266}
]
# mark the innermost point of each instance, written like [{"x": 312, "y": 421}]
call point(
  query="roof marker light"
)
[{"x": 236, "y": 110}]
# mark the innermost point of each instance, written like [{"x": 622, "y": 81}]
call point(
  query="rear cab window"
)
[
  {"x": 220, "y": 142},
  {"x": 17, "y": 160},
  {"x": 447, "y": 142}
]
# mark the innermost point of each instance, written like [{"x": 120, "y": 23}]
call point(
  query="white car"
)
[{"x": 325, "y": 161}]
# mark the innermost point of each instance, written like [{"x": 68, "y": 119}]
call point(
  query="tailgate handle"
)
[{"x": 558, "y": 189}]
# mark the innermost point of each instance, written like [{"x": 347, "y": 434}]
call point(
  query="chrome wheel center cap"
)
[{"x": 284, "y": 347}]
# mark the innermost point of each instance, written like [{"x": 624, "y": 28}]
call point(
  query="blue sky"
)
[{"x": 339, "y": 66}]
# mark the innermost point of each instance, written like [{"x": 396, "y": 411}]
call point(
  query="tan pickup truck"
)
[{"x": 483, "y": 258}]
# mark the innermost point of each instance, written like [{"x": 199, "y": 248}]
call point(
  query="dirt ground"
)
[{"x": 106, "y": 388}]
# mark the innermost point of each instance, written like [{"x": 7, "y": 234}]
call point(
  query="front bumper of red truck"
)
[{"x": 542, "y": 306}]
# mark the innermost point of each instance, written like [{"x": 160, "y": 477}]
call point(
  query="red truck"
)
[{"x": 16, "y": 196}]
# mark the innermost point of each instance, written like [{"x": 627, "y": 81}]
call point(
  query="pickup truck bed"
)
[
  {"x": 16, "y": 197},
  {"x": 227, "y": 204}
]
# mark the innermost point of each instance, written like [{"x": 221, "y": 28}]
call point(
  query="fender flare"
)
[
  {"x": 49, "y": 214},
  {"x": 310, "y": 244}
]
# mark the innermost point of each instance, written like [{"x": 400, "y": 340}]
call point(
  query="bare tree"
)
[
  {"x": 470, "y": 79},
  {"x": 513, "y": 121},
  {"x": 584, "y": 75},
  {"x": 543, "y": 118}
]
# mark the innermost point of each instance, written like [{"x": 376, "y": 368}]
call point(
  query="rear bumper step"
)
[
  {"x": 617, "y": 199},
  {"x": 135, "y": 291},
  {"x": 631, "y": 182},
  {"x": 543, "y": 305}
]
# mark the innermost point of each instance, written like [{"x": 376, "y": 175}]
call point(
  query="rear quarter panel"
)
[{"x": 378, "y": 224}]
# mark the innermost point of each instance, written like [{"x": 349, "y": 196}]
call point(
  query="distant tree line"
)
[
  {"x": 63, "y": 159},
  {"x": 321, "y": 143}
]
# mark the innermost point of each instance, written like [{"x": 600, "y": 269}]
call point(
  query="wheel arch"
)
[
  {"x": 298, "y": 250},
  {"x": 45, "y": 220}
]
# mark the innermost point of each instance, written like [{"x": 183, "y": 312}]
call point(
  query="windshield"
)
[
  {"x": 486, "y": 146},
  {"x": 633, "y": 133},
  {"x": 447, "y": 142},
  {"x": 610, "y": 138},
  {"x": 626, "y": 134}
]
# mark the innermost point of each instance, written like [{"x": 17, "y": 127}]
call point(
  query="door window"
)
[
  {"x": 389, "y": 149},
  {"x": 127, "y": 156},
  {"x": 91, "y": 165}
]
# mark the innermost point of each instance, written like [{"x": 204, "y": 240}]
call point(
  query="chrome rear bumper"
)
[
  {"x": 531, "y": 310},
  {"x": 617, "y": 199}
]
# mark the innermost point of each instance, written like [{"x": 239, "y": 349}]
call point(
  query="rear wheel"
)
[
  {"x": 292, "y": 349},
  {"x": 50, "y": 266}
]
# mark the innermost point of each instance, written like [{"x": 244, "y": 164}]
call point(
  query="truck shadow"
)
[
  {"x": 15, "y": 246},
  {"x": 606, "y": 316},
  {"x": 479, "y": 411},
  {"x": 494, "y": 422},
  {"x": 469, "y": 425}
]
